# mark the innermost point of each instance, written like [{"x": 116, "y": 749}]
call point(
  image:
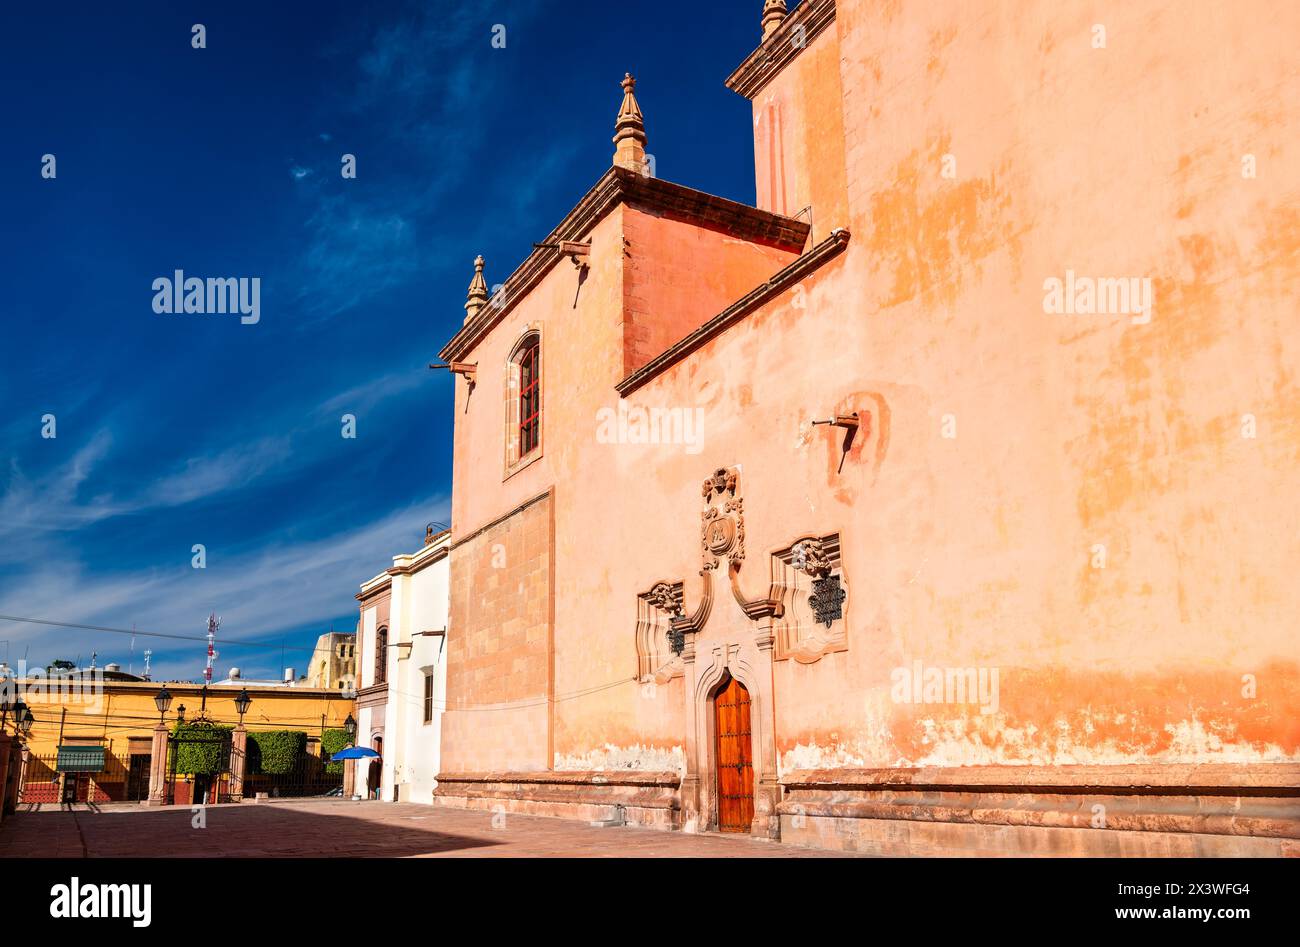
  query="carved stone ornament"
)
[
  {"x": 827, "y": 599},
  {"x": 723, "y": 480},
  {"x": 722, "y": 524},
  {"x": 808, "y": 579},
  {"x": 719, "y": 534},
  {"x": 667, "y": 598},
  {"x": 811, "y": 559},
  {"x": 659, "y": 640}
]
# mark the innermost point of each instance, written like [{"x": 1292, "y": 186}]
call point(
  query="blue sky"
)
[{"x": 174, "y": 430}]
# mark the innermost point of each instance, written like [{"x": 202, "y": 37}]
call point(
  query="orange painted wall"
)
[
  {"x": 799, "y": 138},
  {"x": 1071, "y": 431},
  {"x": 645, "y": 271},
  {"x": 498, "y": 694},
  {"x": 677, "y": 276}
]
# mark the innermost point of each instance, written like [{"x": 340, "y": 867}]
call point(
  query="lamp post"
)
[
  {"x": 24, "y": 722},
  {"x": 238, "y": 747},
  {"x": 162, "y": 701},
  {"x": 242, "y": 703},
  {"x": 350, "y": 766},
  {"x": 8, "y": 703},
  {"x": 161, "y": 745},
  {"x": 19, "y": 708}
]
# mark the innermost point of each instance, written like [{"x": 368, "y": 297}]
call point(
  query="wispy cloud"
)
[
  {"x": 259, "y": 593},
  {"x": 417, "y": 84},
  {"x": 62, "y": 499},
  {"x": 368, "y": 395},
  {"x": 58, "y": 501},
  {"x": 354, "y": 250}
]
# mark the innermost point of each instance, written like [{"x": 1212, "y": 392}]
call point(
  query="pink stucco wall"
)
[{"x": 1072, "y": 432}]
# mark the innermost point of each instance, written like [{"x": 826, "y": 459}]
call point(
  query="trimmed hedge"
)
[
  {"x": 275, "y": 752},
  {"x": 206, "y": 750},
  {"x": 332, "y": 741}
]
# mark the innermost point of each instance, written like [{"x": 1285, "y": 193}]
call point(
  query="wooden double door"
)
[{"x": 734, "y": 755}]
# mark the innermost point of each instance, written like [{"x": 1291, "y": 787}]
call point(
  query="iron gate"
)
[
  {"x": 308, "y": 776},
  {"x": 203, "y": 743}
]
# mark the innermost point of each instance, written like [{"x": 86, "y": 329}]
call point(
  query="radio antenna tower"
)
[{"x": 213, "y": 624}]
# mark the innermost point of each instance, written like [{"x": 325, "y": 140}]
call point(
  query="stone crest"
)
[{"x": 722, "y": 526}]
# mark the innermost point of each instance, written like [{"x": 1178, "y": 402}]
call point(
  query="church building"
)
[{"x": 944, "y": 501}]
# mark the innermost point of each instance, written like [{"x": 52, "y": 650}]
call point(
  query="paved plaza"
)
[{"x": 346, "y": 829}]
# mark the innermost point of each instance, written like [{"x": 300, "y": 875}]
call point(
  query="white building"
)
[{"x": 401, "y": 672}]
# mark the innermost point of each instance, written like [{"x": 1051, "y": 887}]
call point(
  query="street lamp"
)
[
  {"x": 180, "y": 714},
  {"x": 7, "y": 702},
  {"x": 162, "y": 701},
  {"x": 241, "y": 704},
  {"x": 25, "y": 723},
  {"x": 350, "y": 728}
]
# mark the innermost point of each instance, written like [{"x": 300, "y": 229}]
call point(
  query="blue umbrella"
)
[{"x": 353, "y": 753}]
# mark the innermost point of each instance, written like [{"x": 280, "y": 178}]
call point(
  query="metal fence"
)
[
  {"x": 309, "y": 776},
  {"x": 118, "y": 781},
  {"x": 128, "y": 780}
]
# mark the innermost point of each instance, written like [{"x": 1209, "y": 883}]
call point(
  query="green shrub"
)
[
  {"x": 205, "y": 750},
  {"x": 330, "y": 743},
  {"x": 275, "y": 752}
]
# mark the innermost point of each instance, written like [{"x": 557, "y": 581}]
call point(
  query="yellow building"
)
[
  {"x": 334, "y": 662},
  {"x": 97, "y": 733}
]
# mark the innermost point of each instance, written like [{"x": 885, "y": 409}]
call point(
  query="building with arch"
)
[{"x": 819, "y": 520}]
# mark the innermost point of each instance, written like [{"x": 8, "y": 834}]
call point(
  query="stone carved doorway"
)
[{"x": 734, "y": 756}]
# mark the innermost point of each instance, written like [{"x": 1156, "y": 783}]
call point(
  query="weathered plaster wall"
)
[
  {"x": 639, "y": 264},
  {"x": 975, "y": 550},
  {"x": 799, "y": 138},
  {"x": 678, "y": 276},
  {"x": 1071, "y": 431}
]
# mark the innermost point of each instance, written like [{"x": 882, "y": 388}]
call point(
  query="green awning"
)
[{"x": 80, "y": 759}]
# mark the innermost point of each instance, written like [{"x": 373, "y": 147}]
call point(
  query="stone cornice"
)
[
  {"x": 620, "y": 777},
  {"x": 829, "y": 248},
  {"x": 621, "y": 186},
  {"x": 1279, "y": 778},
  {"x": 424, "y": 557},
  {"x": 502, "y": 518},
  {"x": 779, "y": 50},
  {"x": 375, "y": 587}
]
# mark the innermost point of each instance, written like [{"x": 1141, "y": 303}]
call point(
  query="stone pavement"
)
[{"x": 347, "y": 829}]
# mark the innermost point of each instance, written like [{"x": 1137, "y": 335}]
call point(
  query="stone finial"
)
[
  {"x": 773, "y": 13},
  {"x": 478, "y": 291},
  {"x": 629, "y": 130}
]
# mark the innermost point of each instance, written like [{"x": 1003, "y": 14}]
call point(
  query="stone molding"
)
[
  {"x": 658, "y": 611},
  {"x": 797, "y": 632},
  {"x": 621, "y": 186},
  {"x": 1198, "y": 778},
  {"x": 615, "y": 797},
  {"x": 491, "y": 524},
  {"x": 809, "y": 20},
  {"x": 782, "y": 280},
  {"x": 1161, "y": 810}
]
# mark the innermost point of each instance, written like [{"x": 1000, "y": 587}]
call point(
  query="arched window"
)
[
  {"x": 524, "y": 403},
  {"x": 381, "y": 655},
  {"x": 530, "y": 396}
]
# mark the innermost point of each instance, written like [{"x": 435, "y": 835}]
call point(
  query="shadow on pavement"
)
[{"x": 257, "y": 830}]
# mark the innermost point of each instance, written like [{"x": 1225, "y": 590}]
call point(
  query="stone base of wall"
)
[
  {"x": 648, "y": 799},
  {"x": 1179, "y": 811}
]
